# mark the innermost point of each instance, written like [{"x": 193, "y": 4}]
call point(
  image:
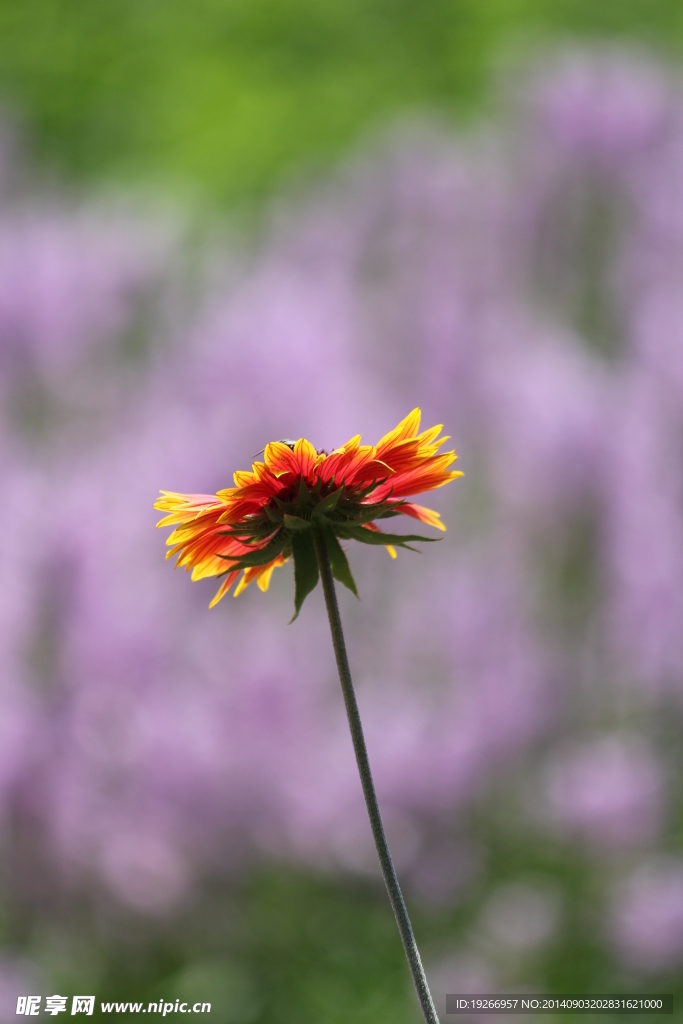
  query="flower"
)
[{"x": 272, "y": 512}]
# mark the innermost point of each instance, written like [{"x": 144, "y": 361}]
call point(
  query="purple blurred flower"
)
[
  {"x": 142, "y": 870},
  {"x": 658, "y": 344},
  {"x": 67, "y": 281},
  {"x": 646, "y": 923},
  {"x": 79, "y": 293},
  {"x": 462, "y": 971},
  {"x": 643, "y": 546},
  {"x": 604, "y": 106},
  {"x": 545, "y": 400},
  {"x": 445, "y": 870},
  {"x": 608, "y": 791},
  {"x": 18, "y": 977},
  {"x": 521, "y": 917}
]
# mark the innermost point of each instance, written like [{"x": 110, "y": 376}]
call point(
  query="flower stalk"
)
[{"x": 386, "y": 863}]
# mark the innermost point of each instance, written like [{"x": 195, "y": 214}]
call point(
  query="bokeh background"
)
[{"x": 227, "y": 222}]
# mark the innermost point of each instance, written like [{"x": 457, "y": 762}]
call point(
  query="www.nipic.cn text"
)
[{"x": 30, "y": 1006}]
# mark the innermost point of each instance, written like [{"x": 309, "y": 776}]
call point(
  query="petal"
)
[
  {"x": 265, "y": 573},
  {"x": 431, "y": 474},
  {"x": 408, "y": 427},
  {"x": 260, "y": 573},
  {"x": 335, "y": 465},
  {"x": 363, "y": 467},
  {"x": 428, "y": 437},
  {"x": 243, "y": 584},
  {"x": 351, "y": 444},
  {"x": 306, "y": 455},
  {"x": 184, "y": 508},
  {"x": 227, "y": 493},
  {"x": 280, "y": 459},
  {"x": 425, "y": 515},
  {"x": 243, "y": 478},
  {"x": 224, "y": 588}
]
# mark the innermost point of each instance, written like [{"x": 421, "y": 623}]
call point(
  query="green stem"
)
[{"x": 388, "y": 872}]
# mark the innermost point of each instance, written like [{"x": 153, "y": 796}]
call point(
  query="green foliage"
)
[
  {"x": 234, "y": 96},
  {"x": 297, "y": 523},
  {"x": 330, "y": 502},
  {"x": 366, "y": 536},
  {"x": 261, "y": 556},
  {"x": 286, "y": 946},
  {"x": 332, "y": 514},
  {"x": 306, "y": 572},
  {"x": 338, "y": 561}
]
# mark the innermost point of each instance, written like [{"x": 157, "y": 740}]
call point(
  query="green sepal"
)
[
  {"x": 220, "y": 575},
  {"x": 260, "y": 557},
  {"x": 275, "y": 515},
  {"x": 360, "y": 514},
  {"x": 304, "y": 496},
  {"x": 338, "y": 561},
  {"x": 315, "y": 493},
  {"x": 330, "y": 501},
  {"x": 365, "y": 491},
  {"x": 251, "y": 530},
  {"x": 297, "y": 523},
  {"x": 356, "y": 514},
  {"x": 286, "y": 506},
  {"x": 372, "y": 537},
  {"x": 306, "y": 571}
]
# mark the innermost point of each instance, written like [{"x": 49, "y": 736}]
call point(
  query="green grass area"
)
[
  {"x": 232, "y": 97},
  {"x": 293, "y": 947}
]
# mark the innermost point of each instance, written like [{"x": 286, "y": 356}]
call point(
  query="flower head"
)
[{"x": 272, "y": 512}]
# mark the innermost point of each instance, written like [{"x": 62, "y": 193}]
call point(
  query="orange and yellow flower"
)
[{"x": 272, "y": 512}]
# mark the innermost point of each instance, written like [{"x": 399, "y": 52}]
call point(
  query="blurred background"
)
[{"x": 227, "y": 222}]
